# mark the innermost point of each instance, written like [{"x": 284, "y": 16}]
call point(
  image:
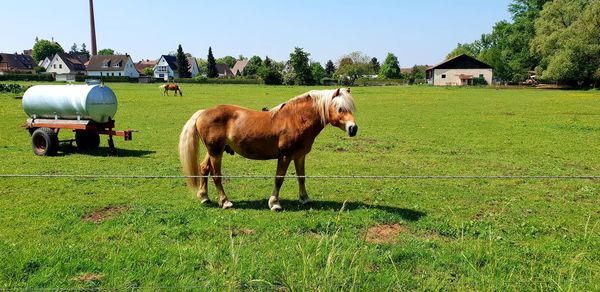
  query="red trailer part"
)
[{"x": 44, "y": 134}]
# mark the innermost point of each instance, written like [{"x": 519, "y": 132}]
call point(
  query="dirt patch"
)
[
  {"x": 88, "y": 277},
  {"x": 340, "y": 149},
  {"x": 105, "y": 213},
  {"x": 384, "y": 233},
  {"x": 243, "y": 231}
]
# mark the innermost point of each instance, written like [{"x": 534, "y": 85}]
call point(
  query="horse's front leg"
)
[
  {"x": 303, "y": 195},
  {"x": 282, "y": 165}
]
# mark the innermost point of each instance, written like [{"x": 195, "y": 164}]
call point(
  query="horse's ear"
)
[
  {"x": 348, "y": 89},
  {"x": 336, "y": 93}
]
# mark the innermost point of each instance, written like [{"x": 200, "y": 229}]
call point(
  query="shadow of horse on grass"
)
[{"x": 295, "y": 206}]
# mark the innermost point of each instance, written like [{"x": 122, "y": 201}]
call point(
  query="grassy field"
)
[{"x": 516, "y": 234}]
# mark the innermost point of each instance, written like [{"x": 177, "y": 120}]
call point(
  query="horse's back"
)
[{"x": 248, "y": 132}]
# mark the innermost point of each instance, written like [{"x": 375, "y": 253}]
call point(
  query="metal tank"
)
[{"x": 71, "y": 102}]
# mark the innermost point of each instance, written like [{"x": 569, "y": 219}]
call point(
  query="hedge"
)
[
  {"x": 218, "y": 80},
  {"x": 82, "y": 78},
  {"x": 26, "y": 77}
]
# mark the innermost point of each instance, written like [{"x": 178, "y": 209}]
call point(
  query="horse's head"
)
[{"x": 341, "y": 110}]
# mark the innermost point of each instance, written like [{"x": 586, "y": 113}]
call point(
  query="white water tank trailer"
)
[{"x": 88, "y": 110}]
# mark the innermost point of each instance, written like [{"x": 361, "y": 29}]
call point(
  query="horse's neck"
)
[{"x": 304, "y": 118}]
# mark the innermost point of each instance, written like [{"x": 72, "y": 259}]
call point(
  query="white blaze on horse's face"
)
[{"x": 340, "y": 116}]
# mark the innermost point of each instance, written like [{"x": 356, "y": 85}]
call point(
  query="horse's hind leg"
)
[
  {"x": 203, "y": 189},
  {"x": 282, "y": 166},
  {"x": 303, "y": 195},
  {"x": 215, "y": 169}
]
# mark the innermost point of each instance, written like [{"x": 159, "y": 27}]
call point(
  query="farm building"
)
[
  {"x": 67, "y": 66},
  {"x": 112, "y": 65},
  {"x": 16, "y": 63},
  {"x": 238, "y": 68},
  {"x": 459, "y": 71},
  {"x": 166, "y": 67},
  {"x": 44, "y": 63},
  {"x": 143, "y": 64},
  {"x": 224, "y": 71}
]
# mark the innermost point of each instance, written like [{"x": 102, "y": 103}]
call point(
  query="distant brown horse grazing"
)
[
  {"x": 285, "y": 133},
  {"x": 170, "y": 86}
]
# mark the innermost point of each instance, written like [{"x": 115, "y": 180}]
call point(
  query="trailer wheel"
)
[
  {"x": 87, "y": 140},
  {"x": 44, "y": 142}
]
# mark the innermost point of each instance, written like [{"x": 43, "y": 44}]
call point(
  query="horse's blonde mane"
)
[{"x": 322, "y": 100}]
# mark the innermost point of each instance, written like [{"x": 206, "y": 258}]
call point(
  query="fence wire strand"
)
[{"x": 367, "y": 177}]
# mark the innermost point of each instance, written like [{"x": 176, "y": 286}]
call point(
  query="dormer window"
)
[
  {"x": 117, "y": 64},
  {"x": 105, "y": 63}
]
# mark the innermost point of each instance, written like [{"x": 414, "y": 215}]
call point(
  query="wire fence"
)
[{"x": 318, "y": 177}]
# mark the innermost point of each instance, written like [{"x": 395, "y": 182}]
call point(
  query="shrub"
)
[
  {"x": 205, "y": 80},
  {"x": 13, "y": 88},
  {"x": 479, "y": 81},
  {"x": 26, "y": 77}
]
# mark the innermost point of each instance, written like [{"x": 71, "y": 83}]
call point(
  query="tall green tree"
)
[
  {"x": 568, "y": 41},
  {"x": 84, "y": 50},
  {"x": 353, "y": 66},
  {"x": 269, "y": 74},
  {"x": 299, "y": 63},
  {"x": 375, "y": 65},
  {"x": 252, "y": 67},
  {"x": 73, "y": 48},
  {"x": 211, "y": 65},
  {"x": 390, "y": 68},
  {"x": 329, "y": 68},
  {"x": 227, "y": 60},
  {"x": 507, "y": 47},
  {"x": 106, "y": 51},
  {"x": 183, "y": 66},
  {"x": 45, "y": 48},
  {"x": 318, "y": 72}
]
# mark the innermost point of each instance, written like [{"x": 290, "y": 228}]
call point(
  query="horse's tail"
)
[{"x": 188, "y": 150}]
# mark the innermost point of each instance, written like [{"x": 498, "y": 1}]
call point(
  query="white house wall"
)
[
  {"x": 163, "y": 74},
  {"x": 452, "y": 76},
  {"x": 58, "y": 66}
]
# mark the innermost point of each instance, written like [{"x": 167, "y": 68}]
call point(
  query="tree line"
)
[{"x": 557, "y": 41}]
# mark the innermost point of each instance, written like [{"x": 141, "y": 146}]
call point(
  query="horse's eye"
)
[{"x": 340, "y": 110}]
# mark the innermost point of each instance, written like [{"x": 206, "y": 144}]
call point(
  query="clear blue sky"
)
[{"x": 418, "y": 32}]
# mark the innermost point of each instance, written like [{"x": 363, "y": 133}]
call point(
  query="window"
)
[
  {"x": 59, "y": 66},
  {"x": 54, "y": 66},
  {"x": 105, "y": 63},
  {"x": 443, "y": 75},
  {"x": 119, "y": 73}
]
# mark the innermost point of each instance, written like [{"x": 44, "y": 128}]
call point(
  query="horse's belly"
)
[{"x": 258, "y": 151}]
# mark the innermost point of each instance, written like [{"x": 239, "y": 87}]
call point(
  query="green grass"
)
[{"x": 456, "y": 234}]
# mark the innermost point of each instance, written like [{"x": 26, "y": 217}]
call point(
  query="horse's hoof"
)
[
  {"x": 227, "y": 205},
  {"x": 305, "y": 201},
  {"x": 205, "y": 201},
  {"x": 276, "y": 208}
]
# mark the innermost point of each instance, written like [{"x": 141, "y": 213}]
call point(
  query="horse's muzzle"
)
[{"x": 352, "y": 130}]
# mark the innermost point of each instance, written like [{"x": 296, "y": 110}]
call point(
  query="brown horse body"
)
[
  {"x": 170, "y": 86},
  {"x": 285, "y": 133}
]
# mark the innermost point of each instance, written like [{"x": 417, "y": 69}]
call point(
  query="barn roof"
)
[
  {"x": 461, "y": 62},
  {"x": 75, "y": 62},
  {"x": 17, "y": 61},
  {"x": 239, "y": 66},
  {"x": 107, "y": 62}
]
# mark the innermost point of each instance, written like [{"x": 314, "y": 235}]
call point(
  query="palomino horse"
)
[
  {"x": 170, "y": 86},
  {"x": 285, "y": 133}
]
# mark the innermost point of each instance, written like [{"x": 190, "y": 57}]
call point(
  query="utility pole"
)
[{"x": 93, "y": 28}]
